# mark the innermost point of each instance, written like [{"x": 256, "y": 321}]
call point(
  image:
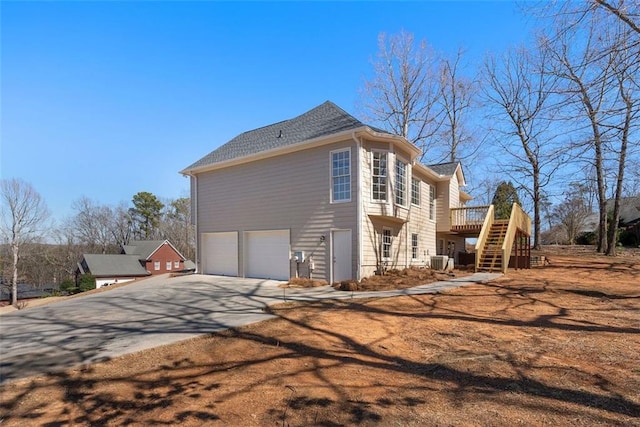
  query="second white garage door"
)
[
  {"x": 267, "y": 254},
  {"x": 220, "y": 253}
]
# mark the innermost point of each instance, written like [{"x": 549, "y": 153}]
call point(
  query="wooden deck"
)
[{"x": 467, "y": 220}]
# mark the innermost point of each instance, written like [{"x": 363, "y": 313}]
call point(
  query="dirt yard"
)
[{"x": 557, "y": 345}]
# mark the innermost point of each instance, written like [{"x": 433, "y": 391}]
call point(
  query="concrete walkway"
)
[{"x": 153, "y": 312}]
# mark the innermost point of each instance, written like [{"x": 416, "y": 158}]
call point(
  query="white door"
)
[
  {"x": 220, "y": 253},
  {"x": 267, "y": 254},
  {"x": 341, "y": 251}
]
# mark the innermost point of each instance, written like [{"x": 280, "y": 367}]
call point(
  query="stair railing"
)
[
  {"x": 484, "y": 234},
  {"x": 518, "y": 220}
]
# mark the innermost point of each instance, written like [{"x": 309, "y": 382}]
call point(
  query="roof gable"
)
[
  {"x": 144, "y": 249},
  {"x": 449, "y": 169},
  {"x": 323, "y": 120}
]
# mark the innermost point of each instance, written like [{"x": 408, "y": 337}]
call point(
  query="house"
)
[
  {"x": 629, "y": 217},
  {"x": 156, "y": 256},
  {"x": 109, "y": 269},
  {"x": 322, "y": 195},
  {"x": 140, "y": 258},
  {"x": 27, "y": 291}
]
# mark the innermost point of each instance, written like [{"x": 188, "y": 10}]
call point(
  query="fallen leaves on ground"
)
[{"x": 555, "y": 345}]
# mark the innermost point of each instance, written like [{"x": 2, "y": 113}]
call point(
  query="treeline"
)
[
  {"x": 558, "y": 115},
  {"x": 92, "y": 228}
]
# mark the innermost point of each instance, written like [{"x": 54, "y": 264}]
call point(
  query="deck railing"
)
[
  {"x": 484, "y": 234},
  {"x": 467, "y": 218},
  {"x": 518, "y": 220}
]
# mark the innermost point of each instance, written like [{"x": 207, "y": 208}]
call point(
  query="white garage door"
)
[
  {"x": 220, "y": 253},
  {"x": 267, "y": 254}
]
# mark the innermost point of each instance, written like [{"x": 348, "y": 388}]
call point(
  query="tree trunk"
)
[
  {"x": 611, "y": 250},
  {"x": 602, "y": 197},
  {"x": 536, "y": 208},
  {"x": 14, "y": 280}
]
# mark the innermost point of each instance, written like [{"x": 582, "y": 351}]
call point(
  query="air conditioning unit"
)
[{"x": 439, "y": 262}]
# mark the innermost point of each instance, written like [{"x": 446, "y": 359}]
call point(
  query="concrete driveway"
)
[{"x": 153, "y": 312}]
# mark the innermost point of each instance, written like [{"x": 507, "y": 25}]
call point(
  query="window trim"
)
[
  {"x": 383, "y": 243},
  {"x": 156, "y": 266},
  {"x": 432, "y": 202},
  {"x": 413, "y": 181},
  {"x": 332, "y": 177},
  {"x": 415, "y": 246},
  {"x": 403, "y": 201},
  {"x": 385, "y": 176},
  {"x": 168, "y": 265},
  {"x": 176, "y": 264}
]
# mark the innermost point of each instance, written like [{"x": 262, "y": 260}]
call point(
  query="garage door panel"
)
[
  {"x": 267, "y": 254},
  {"x": 220, "y": 253}
]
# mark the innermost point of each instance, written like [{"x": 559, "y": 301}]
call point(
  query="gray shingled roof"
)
[
  {"x": 108, "y": 265},
  {"x": 629, "y": 209},
  {"x": 142, "y": 248},
  {"x": 325, "y": 119},
  {"x": 446, "y": 169}
]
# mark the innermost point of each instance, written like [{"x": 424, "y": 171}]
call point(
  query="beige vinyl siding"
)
[
  {"x": 449, "y": 193},
  {"x": 417, "y": 216},
  {"x": 454, "y": 192},
  {"x": 285, "y": 192},
  {"x": 457, "y": 240},
  {"x": 421, "y": 224},
  {"x": 448, "y": 196}
]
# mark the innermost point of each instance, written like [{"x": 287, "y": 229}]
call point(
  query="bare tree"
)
[
  {"x": 24, "y": 213},
  {"x": 623, "y": 120},
  {"x": 597, "y": 63},
  {"x": 517, "y": 91},
  {"x": 403, "y": 91},
  {"x": 122, "y": 227},
  {"x": 455, "y": 101},
  {"x": 176, "y": 226},
  {"x": 626, "y": 11},
  {"x": 66, "y": 253},
  {"x": 93, "y": 225},
  {"x": 572, "y": 213}
]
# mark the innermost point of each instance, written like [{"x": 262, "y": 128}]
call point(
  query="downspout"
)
[
  {"x": 194, "y": 215},
  {"x": 359, "y": 205}
]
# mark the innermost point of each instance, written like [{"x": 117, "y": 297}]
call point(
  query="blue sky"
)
[{"x": 106, "y": 99}]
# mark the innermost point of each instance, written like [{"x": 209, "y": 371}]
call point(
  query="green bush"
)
[
  {"x": 67, "y": 285},
  {"x": 588, "y": 238},
  {"x": 86, "y": 282}
]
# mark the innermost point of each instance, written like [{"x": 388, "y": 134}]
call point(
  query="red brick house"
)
[
  {"x": 156, "y": 256},
  {"x": 138, "y": 259}
]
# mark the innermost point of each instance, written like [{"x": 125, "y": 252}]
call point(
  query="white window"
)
[
  {"x": 386, "y": 243},
  {"x": 176, "y": 264},
  {"x": 341, "y": 176},
  {"x": 415, "y": 191},
  {"x": 414, "y": 246},
  {"x": 401, "y": 183},
  {"x": 379, "y": 176},
  {"x": 156, "y": 265},
  {"x": 432, "y": 202},
  {"x": 169, "y": 265}
]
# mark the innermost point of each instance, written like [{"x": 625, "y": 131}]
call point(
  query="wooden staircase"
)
[{"x": 491, "y": 258}]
